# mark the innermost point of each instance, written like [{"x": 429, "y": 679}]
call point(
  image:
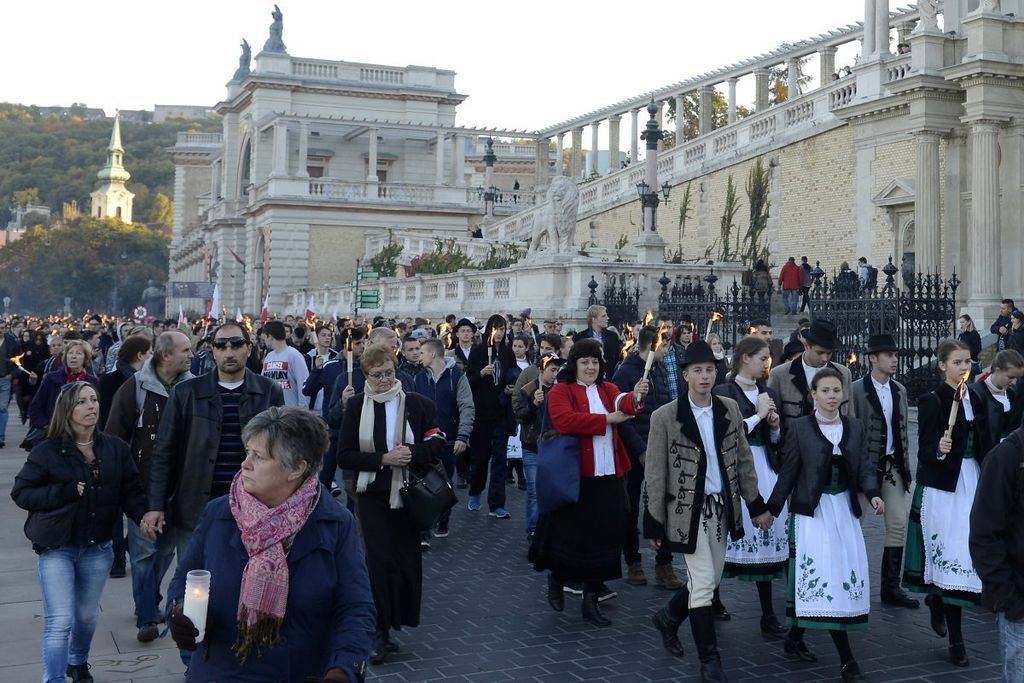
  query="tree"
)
[
  {"x": 726, "y": 249},
  {"x": 691, "y": 115},
  {"x": 685, "y": 214},
  {"x": 88, "y": 260},
  {"x": 778, "y": 81},
  {"x": 27, "y": 196},
  {"x": 758, "y": 185},
  {"x": 163, "y": 210}
]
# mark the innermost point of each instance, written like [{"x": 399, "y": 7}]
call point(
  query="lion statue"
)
[{"x": 556, "y": 217}]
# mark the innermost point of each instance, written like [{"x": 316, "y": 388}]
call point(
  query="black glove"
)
[{"x": 183, "y": 631}]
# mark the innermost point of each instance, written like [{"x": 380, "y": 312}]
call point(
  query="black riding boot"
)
[
  {"x": 668, "y": 619},
  {"x": 892, "y": 594},
  {"x": 703, "y": 624},
  {"x": 592, "y": 608}
]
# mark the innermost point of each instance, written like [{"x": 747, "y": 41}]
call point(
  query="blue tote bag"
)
[{"x": 558, "y": 468}]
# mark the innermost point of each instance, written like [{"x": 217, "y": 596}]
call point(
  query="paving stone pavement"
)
[{"x": 485, "y": 619}]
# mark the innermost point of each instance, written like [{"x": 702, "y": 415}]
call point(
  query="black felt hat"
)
[
  {"x": 877, "y": 343},
  {"x": 698, "y": 352},
  {"x": 795, "y": 346},
  {"x": 821, "y": 333},
  {"x": 465, "y": 322}
]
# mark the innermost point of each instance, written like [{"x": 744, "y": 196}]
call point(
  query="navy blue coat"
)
[{"x": 330, "y": 618}]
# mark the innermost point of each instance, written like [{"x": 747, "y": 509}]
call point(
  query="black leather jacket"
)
[{"x": 181, "y": 471}]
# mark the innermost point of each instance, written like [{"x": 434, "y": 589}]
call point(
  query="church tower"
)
[{"x": 112, "y": 199}]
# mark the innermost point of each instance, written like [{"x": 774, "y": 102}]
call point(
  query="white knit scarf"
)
[{"x": 403, "y": 434}]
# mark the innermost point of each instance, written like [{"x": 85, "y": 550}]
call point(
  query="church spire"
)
[{"x": 112, "y": 199}]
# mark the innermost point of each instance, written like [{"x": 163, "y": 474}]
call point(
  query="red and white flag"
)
[
  {"x": 182, "y": 320},
  {"x": 310, "y": 309},
  {"x": 265, "y": 311},
  {"x": 213, "y": 312}
]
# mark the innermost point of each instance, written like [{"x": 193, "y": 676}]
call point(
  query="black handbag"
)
[
  {"x": 428, "y": 496},
  {"x": 51, "y": 528},
  {"x": 34, "y": 437}
]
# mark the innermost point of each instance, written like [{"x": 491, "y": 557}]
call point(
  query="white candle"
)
[
  {"x": 649, "y": 362},
  {"x": 197, "y": 599}
]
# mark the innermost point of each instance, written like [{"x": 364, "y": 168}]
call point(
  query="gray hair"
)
[
  {"x": 293, "y": 435},
  {"x": 164, "y": 345}
]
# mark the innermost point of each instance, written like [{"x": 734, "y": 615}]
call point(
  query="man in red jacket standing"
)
[{"x": 790, "y": 280}]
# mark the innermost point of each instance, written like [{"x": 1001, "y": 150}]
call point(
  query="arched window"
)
[
  {"x": 118, "y": 212},
  {"x": 245, "y": 169}
]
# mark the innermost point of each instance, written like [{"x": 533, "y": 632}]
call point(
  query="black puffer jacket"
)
[
  {"x": 50, "y": 476},
  {"x": 628, "y": 374}
]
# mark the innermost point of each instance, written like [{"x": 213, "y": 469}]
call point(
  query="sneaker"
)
[
  {"x": 79, "y": 673},
  {"x": 441, "y": 531},
  {"x": 148, "y": 633},
  {"x": 606, "y": 593},
  {"x": 500, "y": 513},
  {"x": 573, "y": 588},
  {"x": 424, "y": 545},
  {"x": 474, "y": 503}
]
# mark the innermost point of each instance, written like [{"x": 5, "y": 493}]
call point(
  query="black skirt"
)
[
  {"x": 583, "y": 541},
  {"x": 394, "y": 560}
]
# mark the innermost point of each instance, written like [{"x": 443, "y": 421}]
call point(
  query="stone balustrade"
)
[
  {"x": 553, "y": 286},
  {"x": 400, "y": 193},
  {"x": 899, "y": 69},
  {"x": 199, "y": 140},
  {"x": 843, "y": 95}
]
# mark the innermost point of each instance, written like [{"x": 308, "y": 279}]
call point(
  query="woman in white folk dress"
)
[
  {"x": 937, "y": 559},
  {"x": 825, "y": 465},
  {"x": 760, "y": 556}
]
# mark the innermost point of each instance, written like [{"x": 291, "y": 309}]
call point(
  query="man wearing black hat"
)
[
  {"x": 464, "y": 331},
  {"x": 792, "y": 380},
  {"x": 880, "y": 402},
  {"x": 698, "y": 466}
]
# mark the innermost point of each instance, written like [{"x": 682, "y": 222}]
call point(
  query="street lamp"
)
[
  {"x": 647, "y": 189},
  {"x": 491, "y": 194}
]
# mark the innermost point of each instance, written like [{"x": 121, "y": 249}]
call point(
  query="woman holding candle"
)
[
  {"x": 385, "y": 431},
  {"x": 95, "y": 474},
  {"x": 582, "y": 541},
  {"x": 953, "y": 436},
  {"x": 288, "y": 596},
  {"x": 760, "y": 556}
]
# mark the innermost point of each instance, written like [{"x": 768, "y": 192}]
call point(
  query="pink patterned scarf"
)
[{"x": 264, "y": 590}]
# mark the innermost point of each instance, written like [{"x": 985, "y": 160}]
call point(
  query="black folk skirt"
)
[
  {"x": 394, "y": 560},
  {"x": 583, "y": 541}
]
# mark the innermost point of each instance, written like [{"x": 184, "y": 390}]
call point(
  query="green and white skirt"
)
[{"x": 759, "y": 555}]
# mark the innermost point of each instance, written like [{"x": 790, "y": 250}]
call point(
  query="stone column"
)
[
  {"x": 613, "y": 143},
  {"x": 371, "y": 162},
  {"x": 985, "y": 258},
  {"x": 732, "y": 99},
  {"x": 634, "y": 141},
  {"x": 560, "y": 156},
  {"x": 303, "y": 149},
  {"x": 707, "y": 115},
  {"x": 594, "y": 127},
  {"x": 792, "y": 78},
  {"x": 927, "y": 204},
  {"x": 576, "y": 155},
  {"x": 868, "y": 41},
  {"x": 281, "y": 149},
  {"x": 458, "y": 160},
  {"x": 541, "y": 163},
  {"x": 826, "y": 66},
  {"x": 680, "y": 119},
  {"x": 882, "y": 27},
  {"x": 761, "y": 89},
  {"x": 439, "y": 159}
]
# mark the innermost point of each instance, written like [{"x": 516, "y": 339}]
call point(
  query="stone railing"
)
[
  {"x": 899, "y": 69},
  {"x": 843, "y": 95},
  {"x": 199, "y": 140},
  {"x": 551, "y": 286},
  {"x": 339, "y": 71}
]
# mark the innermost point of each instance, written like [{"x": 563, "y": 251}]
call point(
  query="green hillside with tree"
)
[{"x": 59, "y": 157}]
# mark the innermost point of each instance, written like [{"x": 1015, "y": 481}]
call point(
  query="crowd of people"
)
[{"x": 279, "y": 459}]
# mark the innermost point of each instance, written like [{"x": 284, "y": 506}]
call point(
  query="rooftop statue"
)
[
  {"x": 927, "y": 9},
  {"x": 243, "y": 62},
  {"x": 274, "y": 42},
  {"x": 153, "y": 298},
  {"x": 990, "y": 6}
]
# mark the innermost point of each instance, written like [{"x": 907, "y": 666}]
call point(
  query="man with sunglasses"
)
[{"x": 198, "y": 446}]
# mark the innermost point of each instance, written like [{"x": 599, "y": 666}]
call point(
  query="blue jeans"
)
[
  {"x": 1011, "y": 638},
  {"x": 71, "y": 578},
  {"x": 5, "y": 398},
  {"x": 530, "y": 470},
  {"x": 150, "y": 560},
  {"x": 790, "y": 299}
]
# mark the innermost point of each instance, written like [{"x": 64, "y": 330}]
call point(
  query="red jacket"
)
[
  {"x": 569, "y": 410},
  {"x": 790, "y": 277}
]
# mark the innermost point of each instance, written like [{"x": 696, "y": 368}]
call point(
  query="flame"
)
[
  {"x": 962, "y": 387},
  {"x": 649, "y": 318},
  {"x": 17, "y": 360},
  {"x": 369, "y": 329},
  {"x": 661, "y": 337},
  {"x": 716, "y": 316},
  {"x": 852, "y": 359},
  {"x": 247, "y": 321},
  {"x": 494, "y": 337},
  {"x": 626, "y": 347},
  {"x": 751, "y": 330},
  {"x": 768, "y": 369}
]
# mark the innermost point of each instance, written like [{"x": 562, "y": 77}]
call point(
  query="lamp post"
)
[
  {"x": 650, "y": 245},
  {"x": 491, "y": 193}
]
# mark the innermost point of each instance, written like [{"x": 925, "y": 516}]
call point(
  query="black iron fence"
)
[
  {"x": 918, "y": 316},
  {"x": 620, "y": 295},
  {"x": 698, "y": 301}
]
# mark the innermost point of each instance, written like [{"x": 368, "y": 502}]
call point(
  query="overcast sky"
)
[{"x": 524, "y": 65}]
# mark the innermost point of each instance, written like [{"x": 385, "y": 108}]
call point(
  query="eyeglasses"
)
[
  {"x": 378, "y": 376},
  {"x": 71, "y": 385},
  {"x": 233, "y": 342}
]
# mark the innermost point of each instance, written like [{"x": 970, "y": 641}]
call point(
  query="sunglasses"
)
[{"x": 233, "y": 342}]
